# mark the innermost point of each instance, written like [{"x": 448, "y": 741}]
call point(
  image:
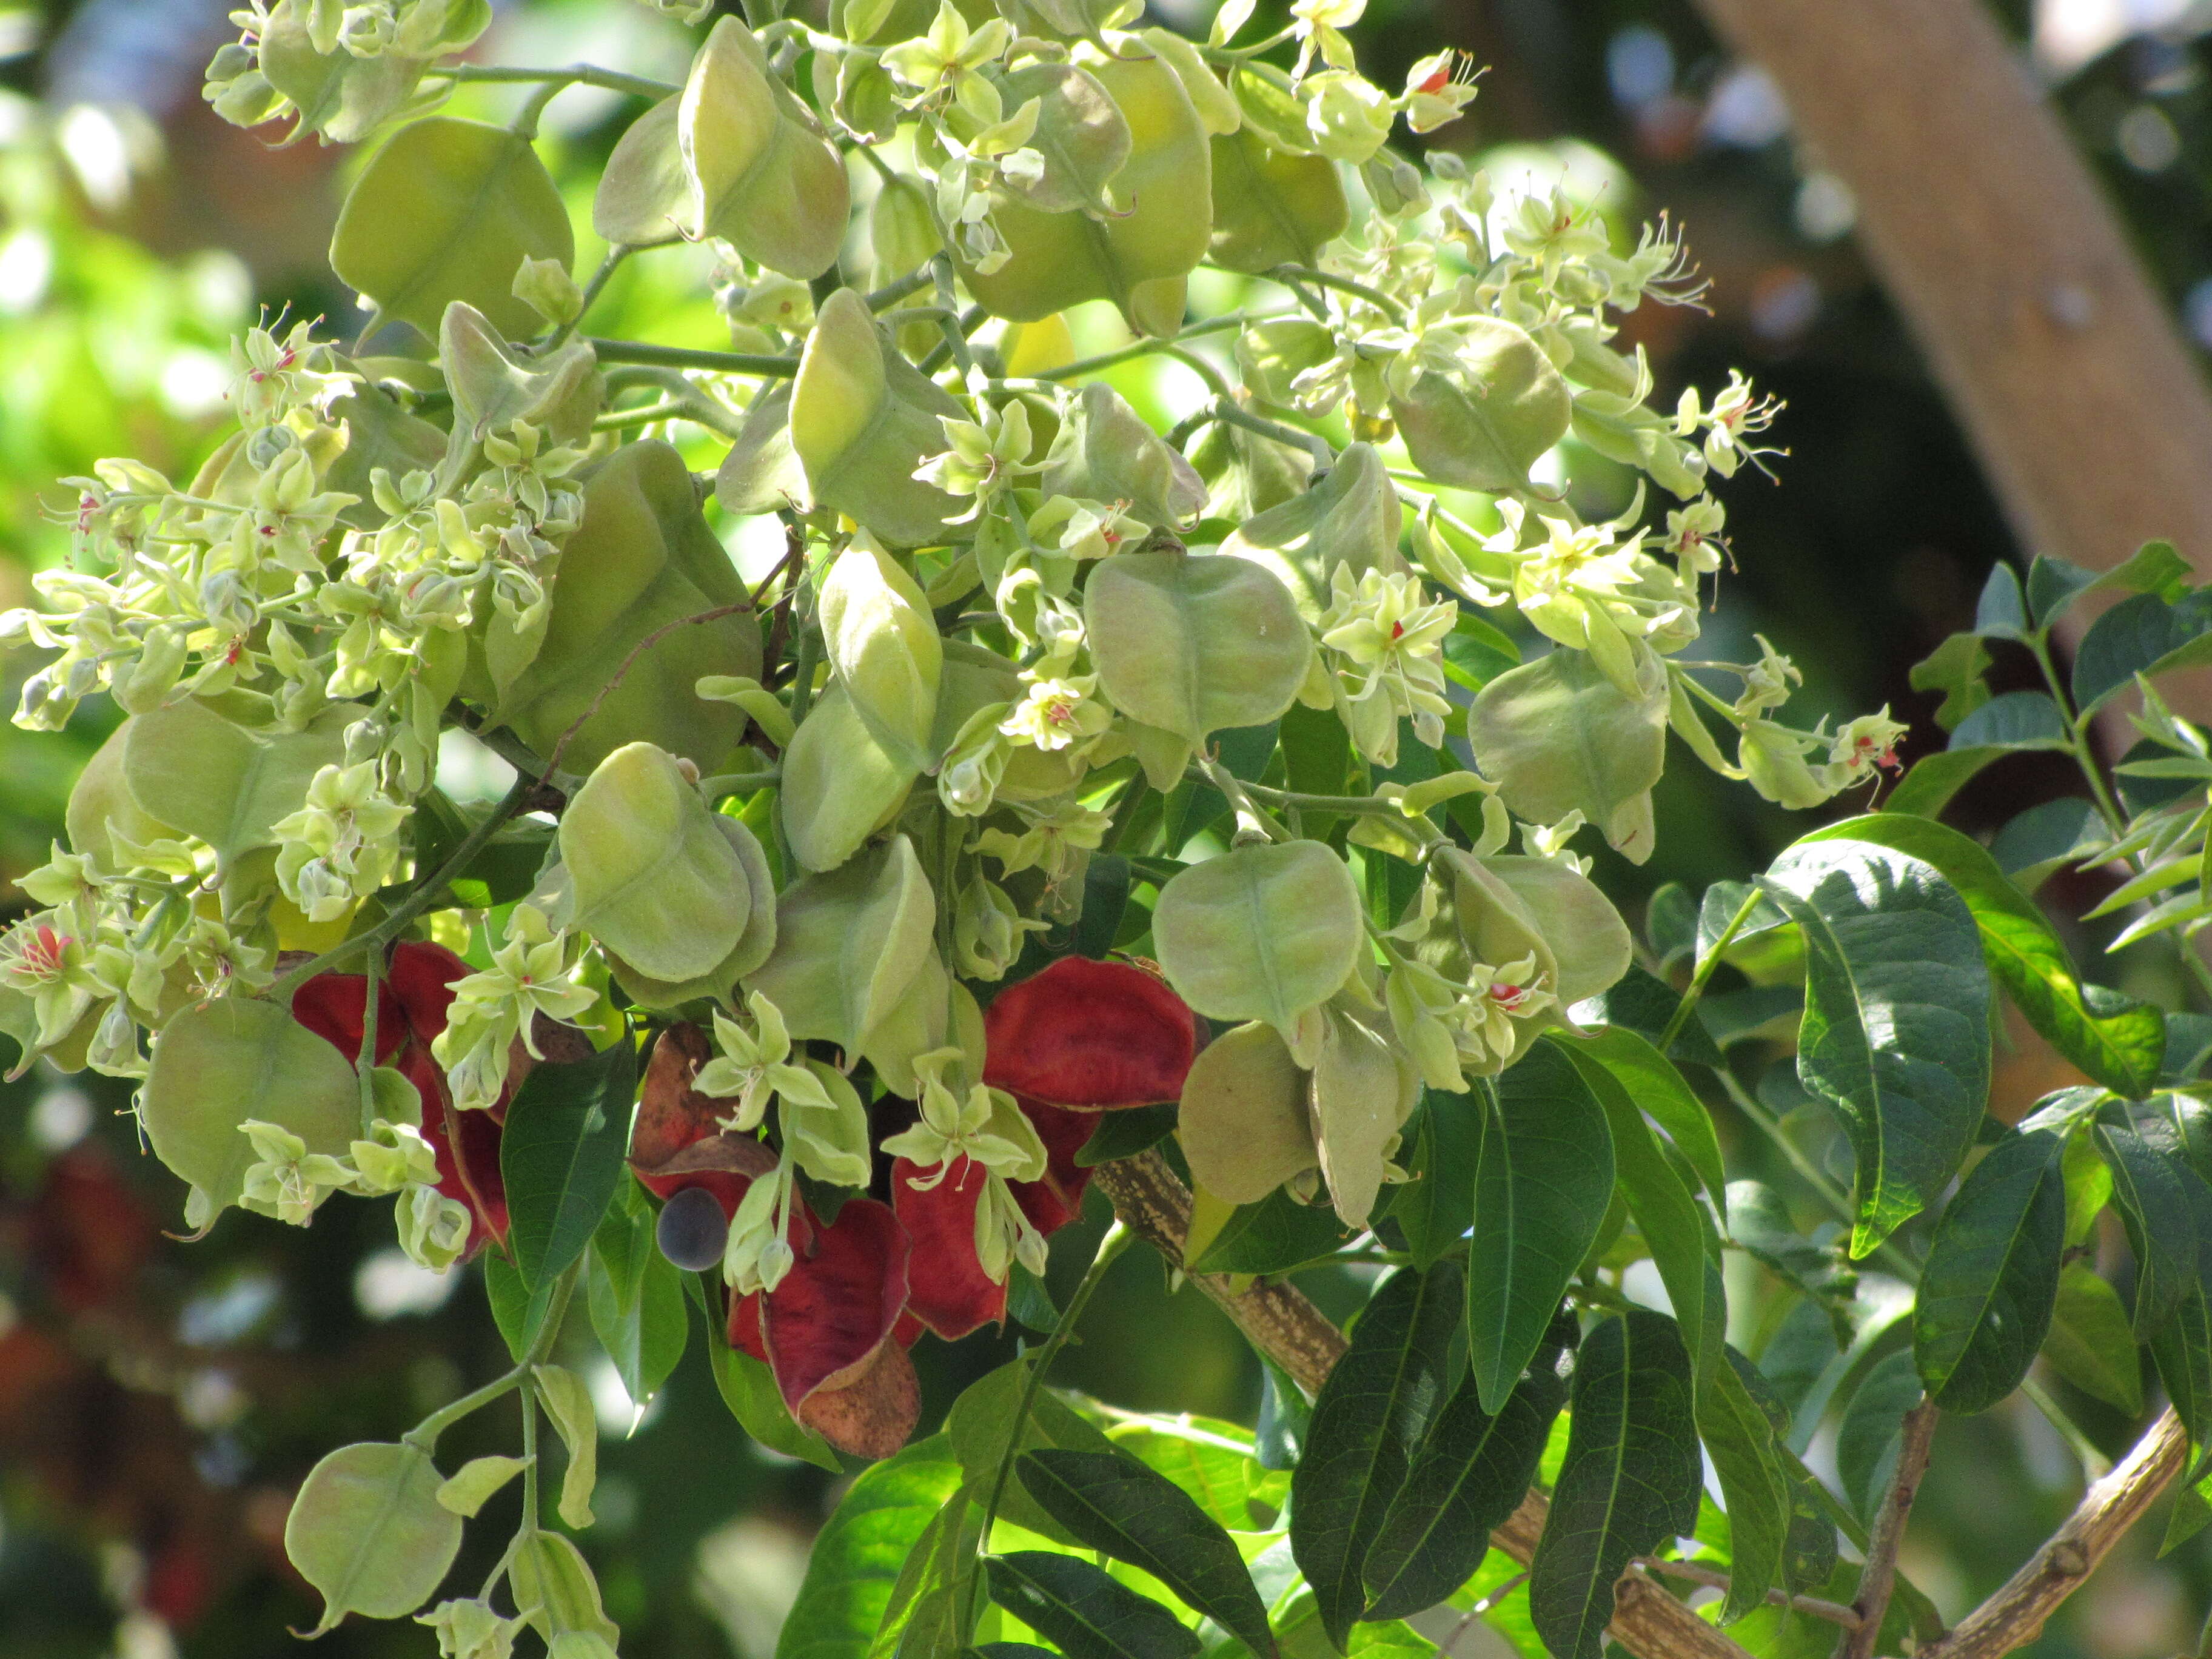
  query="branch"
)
[
  {"x": 1279, "y": 1320},
  {"x": 1879, "y": 1577},
  {"x": 2015, "y": 1616},
  {"x": 1834, "y": 1612}
]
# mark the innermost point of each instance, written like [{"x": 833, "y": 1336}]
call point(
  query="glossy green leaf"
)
[
  {"x": 1215, "y": 1463},
  {"x": 859, "y": 1554},
  {"x": 449, "y": 209},
  {"x": 2140, "y": 634},
  {"x": 1125, "y": 1133},
  {"x": 1084, "y": 1613},
  {"x": 2014, "y": 723},
  {"x": 1116, "y": 1505},
  {"x": 560, "y": 1155},
  {"x": 980, "y": 1423},
  {"x": 1896, "y": 1031},
  {"x": 1629, "y": 1483},
  {"x": 1868, "y": 1437},
  {"x": 2118, "y": 1042},
  {"x": 918, "y": 1620},
  {"x": 1542, "y": 1182},
  {"x": 1991, "y": 1277},
  {"x": 1749, "y": 1457},
  {"x": 1369, "y": 1421},
  {"x": 1758, "y": 1222},
  {"x": 2044, "y": 839},
  {"x": 1659, "y": 1089},
  {"x": 2154, "y": 1206},
  {"x": 1643, "y": 1003},
  {"x": 2182, "y": 1350},
  {"x": 1433, "y": 1209},
  {"x": 519, "y": 1311},
  {"x": 2090, "y": 1343},
  {"x": 1956, "y": 668},
  {"x": 1272, "y": 1236},
  {"x": 2001, "y": 612},
  {"x": 747, "y": 1388},
  {"x": 635, "y": 1297},
  {"x": 1470, "y": 1474}
]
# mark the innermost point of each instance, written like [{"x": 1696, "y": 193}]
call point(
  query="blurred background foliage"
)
[{"x": 157, "y": 1403}]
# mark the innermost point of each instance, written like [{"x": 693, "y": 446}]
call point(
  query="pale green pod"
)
[
  {"x": 560, "y": 393},
  {"x": 1246, "y": 474},
  {"x": 1275, "y": 351},
  {"x": 652, "y": 877},
  {"x": 1080, "y": 133},
  {"x": 1217, "y": 106},
  {"x": 849, "y": 943},
  {"x": 917, "y": 1022},
  {"x": 1261, "y": 932},
  {"x": 1558, "y": 737},
  {"x": 1350, "y": 520},
  {"x": 187, "y": 767},
  {"x": 644, "y": 557},
  {"x": 762, "y": 177},
  {"x": 1272, "y": 208},
  {"x": 1362, "y": 1090},
  {"x": 1243, "y": 1123},
  {"x": 367, "y": 1530},
  {"x": 448, "y": 210},
  {"x": 883, "y": 642},
  {"x": 840, "y": 785},
  {"x": 761, "y": 473},
  {"x": 862, "y": 419},
  {"x": 718, "y": 983},
  {"x": 100, "y": 801},
  {"x": 1484, "y": 405},
  {"x": 555, "y": 1592},
  {"x": 219, "y": 1063},
  {"x": 1589, "y": 940},
  {"x": 1106, "y": 452},
  {"x": 644, "y": 191},
  {"x": 1271, "y": 109},
  {"x": 902, "y": 234},
  {"x": 1194, "y": 644}
]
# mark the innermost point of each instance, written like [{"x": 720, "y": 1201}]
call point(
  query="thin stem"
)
[
  {"x": 891, "y": 294},
  {"x": 1324, "y": 456},
  {"x": 1711, "y": 960},
  {"x": 425, "y": 1434},
  {"x": 1879, "y": 1578},
  {"x": 738, "y": 783},
  {"x": 692, "y": 404},
  {"x": 1197, "y": 365},
  {"x": 365, "y": 1067},
  {"x": 1690, "y": 1572},
  {"x": 1141, "y": 348},
  {"x": 585, "y": 74},
  {"x": 561, "y": 745},
  {"x": 1838, "y": 1201},
  {"x": 615, "y": 254},
  {"x": 1344, "y": 285},
  {"x": 724, "y": 362},
  {"x": 668, "y": 409},
  {"x": 529, "y": 1462},
  {"x": 2094, "y": 1463},
  {"x": 1252, "y": 824},
  {"x": 1451, "y": 1642},
  {"x": 419, "y": 898}
]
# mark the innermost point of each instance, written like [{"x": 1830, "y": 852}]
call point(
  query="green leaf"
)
[
  {"x": 1954, "y": 668},
  {"x": 1115, "y": 1504},
  {"x": 1371, "y": 1414},
  {"x": 857, "y": 1557},
  {"x": 2140, "y": 634},
  {"x": 1471, "y": 1473},
  {"x": 1630, "y": 1481},
  {"x": 1758, "y": 1224},
  {"x": 1272, "y": 1237},
  {"x": 519, "y": 1311},
  {"x": 2052, "y": 585},
  {"x": 2044, "y": 839},
  {"x": 2154, "y": 1206},
  {"x": 2090, "y": 1344},
  {"x": 980, "y": 1423},
  {"x": 1285, "y": 1417},
  {"x": 1432, "y": 1209},
  {"x": 1747, "y": 1455},
  {"x": 1872, "y": 1431},
  {"x": 1661, "y": 1090},
  {"x": 1028, "y": 1301},
  {"x": 2118, "y": 1040},
  {"x": 1542, "y": 1181},
  {"x": 747, "y": 1388},
  {"x": 449, "y": 209},
  {"x": 2000, "y": 612},
  {"x": 2015, "y": 723},
  {"x": 2182, "y": 1350},
  {"x": 919, "y": 1620},
  {"x": 1643, "y": 1003},
  {"x": 1105, "y": 900},
  {"x": 1991, "y": 1276},
  {"x": 1125, "y": 1133},
  {"x": 1084, "y": 1613},
  {"x": 1896, "y": 1032},
  {"x": 567, "y": 1404},
  {"x": 561, "y": 1156},
  {"x": 635, "y": 1297},
  {"x": 1215, "y": 1462}
]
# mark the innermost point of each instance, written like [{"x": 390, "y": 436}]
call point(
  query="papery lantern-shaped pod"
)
[
  {"x": 1091, "y": 1035},
  {"x": 833, "y": 1332},
  {"x": 679, "y": 1142}
]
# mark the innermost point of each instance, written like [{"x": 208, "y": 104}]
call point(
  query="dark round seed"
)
[{"x": 692, "y": 1232}]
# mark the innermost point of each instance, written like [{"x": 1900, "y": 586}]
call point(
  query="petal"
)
[
  {"x": 948, "y": 1290},
  {"x": 824, "y": 1324},
  {"x": 1090, "y": 1035}
]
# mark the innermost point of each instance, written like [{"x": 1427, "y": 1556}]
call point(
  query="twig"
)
[
  {"x": 560, "y": 746},
  {"x": 1279, "y": 1320},
  {"x": 1879, "y": 1577},
  {"x": 2015, "y": 1616},
  {"x": 724, "y": 362},
  {"x": 1451, "y": 1642},
  {"x": 1834, "y": 1612}
]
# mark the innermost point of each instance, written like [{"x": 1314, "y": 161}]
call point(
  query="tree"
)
[{"x": 1070, "y": 796}]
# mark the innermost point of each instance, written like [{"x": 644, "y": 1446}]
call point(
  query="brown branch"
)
[
  {"x": 1879, "y": 1577},
  {"x": 2015, "y": 1616},
  {"x": 1279, "y": 1320}
]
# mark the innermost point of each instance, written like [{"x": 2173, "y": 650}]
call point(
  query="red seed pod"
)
[{"x": 1092, "y": 1035}]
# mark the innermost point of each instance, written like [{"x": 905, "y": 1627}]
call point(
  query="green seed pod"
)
[
  {"x": 718, "y": 984},
  {"x": 1559, "y": 737},
  {"x": 1364, "y": 1088},
  {"x": 1588, "y": 939},
  {"x": 1275, "y": 351},
  {"x": 367, "y": 1531},
  {"x": 882, "y": 640},
  {"x": 560, "y": 393},
  {"x": 762, "y": 472},
  {"x": 1621, "y": 428},
  {"x": 762, "y": 177},
  {"x": 1270, "y": 108},
  {"x": 1348, "y": 117},
  {"x": 1106, "y": 452},
  {"x": 643, "y": 557},
  {"x": 556, "y": 1595},
  {"x": 1193, "y": 644},
  {"x": 1217, "y": 107},
  {"x": 188, "y": 767},
  {"x": 1243, "y": 1123},
  {"x": 447, "y": 210},
  {"x": 644, "y": 191},
  {"x": 219, "y": 1063},
  {"x": 1246, "y": 474},
  {"x": 652, "y": 877},
  {"x": 100, "y": 801},
  {"x": 1261, "y": 932},
  {"x": 901, "y": 232},
  {"x": 1137, "y": 258},
  {"x": 862, "y": 418},
  {"x": 849, "y": 944},
  {"x": 910, "y": 1028},
  {"x": 1080, "y": 133},
  {"x": 1272, "y": 208},
  {"x": 840, "y": 784},
  {"x": 1351, "y": 519},
  {"x": 1484, "y": 406}
]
